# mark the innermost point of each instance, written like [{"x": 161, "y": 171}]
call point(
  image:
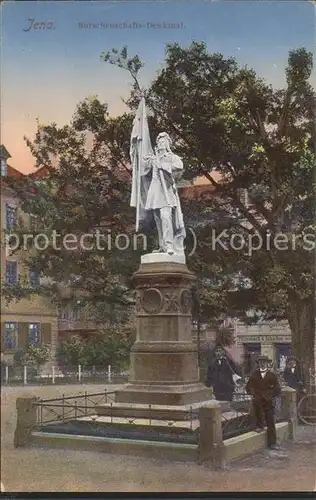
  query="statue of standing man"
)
[{"x": 154, "y": 184}]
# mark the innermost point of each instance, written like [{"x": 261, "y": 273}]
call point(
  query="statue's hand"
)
[{"x": 149, "y": 157}]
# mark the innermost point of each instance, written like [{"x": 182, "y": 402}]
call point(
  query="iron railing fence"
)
[
  {"x": 77, "y": 414},
  {"x": 238, "y": 420},
  {"x": 69, "y": 408},
  {"x": 241, "y": 419}
]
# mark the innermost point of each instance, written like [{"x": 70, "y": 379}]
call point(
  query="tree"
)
[
  {"x": 19, "y": 357},
  {"x": 261, "y": 140},
  {"x": 38, "y": 355},
  {"x": 221, "y": 117},
  {"x": 72, "y": 352},
  {"x": 110, "y": 346},
  {"x": 224, "y": 337},
  {"x": 82, "y": 210}
]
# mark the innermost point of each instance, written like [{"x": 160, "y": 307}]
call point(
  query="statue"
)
[{"x": 154, "y": 184}]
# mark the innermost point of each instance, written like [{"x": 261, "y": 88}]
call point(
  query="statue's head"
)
[{"x": 164, "y": 141}]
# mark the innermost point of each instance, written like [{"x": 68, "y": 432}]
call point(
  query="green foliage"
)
[
  {"x": 224, "y": 337},
  {"x": 84, "y": 194},
  {"x": 33, "y": 356},
  {"x": 19, "y": 357},
  {"x": 121, "y": 60},
  {"x": 260, "y": 139},
  {"x": 111, "y": 346},
  {"x": 72, "y": 352},
  {"x": 38, "y": 355},
  {"x": 221, "y": 116}
]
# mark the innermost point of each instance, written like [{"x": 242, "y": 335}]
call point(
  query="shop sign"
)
[{"x": 264, "y": 338}]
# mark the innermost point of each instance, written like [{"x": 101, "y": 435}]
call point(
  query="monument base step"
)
[
  {"x": 164, "y": 394},
  {"x": 156, "y": 412},
  {"x": 184, "y": 431},
  {"x": 140, "y": 448},
  {"x": 134, "y": 429}
]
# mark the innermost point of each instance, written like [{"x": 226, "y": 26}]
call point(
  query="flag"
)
[{"x": 140, "y": 147}]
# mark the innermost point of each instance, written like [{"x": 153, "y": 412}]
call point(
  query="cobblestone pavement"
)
[{"x": 290, "y": 469}]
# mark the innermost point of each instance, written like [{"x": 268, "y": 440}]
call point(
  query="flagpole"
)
[{"x": 140, "y": 159}]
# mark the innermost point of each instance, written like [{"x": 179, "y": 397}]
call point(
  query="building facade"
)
[
  {"x": 73, "y": 321},
  {"x": 28, "y": 321},
  {"x": 272, "y": 339}
]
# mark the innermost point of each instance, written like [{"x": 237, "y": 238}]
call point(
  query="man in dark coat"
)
[
  {"x": 292, "y": 375},
  {"x": 264, "y": 386},
  {"x": 220, "y": 376}
]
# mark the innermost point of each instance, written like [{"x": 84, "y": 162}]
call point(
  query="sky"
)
[{"x": 47, "y": 68}]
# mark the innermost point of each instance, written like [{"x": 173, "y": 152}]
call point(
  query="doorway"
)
[{"x": 282, "y": 352}]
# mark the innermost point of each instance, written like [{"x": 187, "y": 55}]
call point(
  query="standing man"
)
[
  {"x": 292, "y": 375},
  {"x": 264, "y": 386},
  {"x": 154, "y": 191},
  {"x": 293, "y": 378},
  {"x": 220, "y": 376},
  {"x": 163, "y": 169}
]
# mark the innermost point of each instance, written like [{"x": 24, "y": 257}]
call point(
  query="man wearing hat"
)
[
  {"x": 292, "y": 375},
  {"x": 264, "y": 386},
  {"x": 222, "y": 375}
]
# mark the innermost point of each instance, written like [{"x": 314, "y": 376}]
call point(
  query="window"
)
[
  {"x": 74, "y": 314},
  {"x": 10, "y": 216},
  {"x": 34, "y": 279},
  {"x": 34, "y": 333},
  {"x": 11, "y": 272},
  {"x": 10, "y": 335},
  {"x": 3, "y": 167}
]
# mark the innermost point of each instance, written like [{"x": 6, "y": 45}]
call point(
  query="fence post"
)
[
  {"x": 109, "y": 373},
  {"x": 79, "y": 373},
  {"x": 289, "y": 410},
  {"x": 6, "y": 374},
  {"x": 25, "y": 375},
  {"x": 53, "y": 374},
  {"x": 26, "y": 419},
  {"x": 211, "y": 443},
  {"x": 63, "y": 407}
]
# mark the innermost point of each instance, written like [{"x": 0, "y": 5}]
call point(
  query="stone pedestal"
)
[{"x": 164, "y": 358}]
